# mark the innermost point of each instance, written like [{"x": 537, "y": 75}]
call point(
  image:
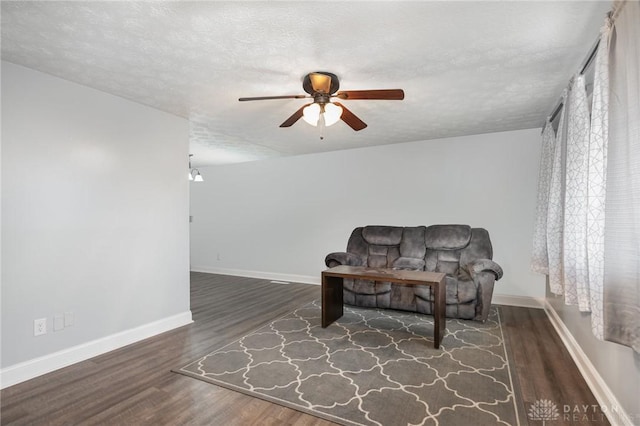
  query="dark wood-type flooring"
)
[{"x": 134, "y": 385}]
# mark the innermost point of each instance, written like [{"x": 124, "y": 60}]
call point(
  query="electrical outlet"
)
[
  {"x": 39, "y": 326},
  {"x": 218, "y": 256}
]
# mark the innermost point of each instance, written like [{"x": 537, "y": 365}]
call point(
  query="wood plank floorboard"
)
[
  {"x": 543, "y": 368},
  {"x": 134, "y": 385}
]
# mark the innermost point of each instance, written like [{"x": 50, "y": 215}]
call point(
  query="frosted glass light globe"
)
[
  {"x": 311, "y": 114},
  {"x": 332, "y": 114}
]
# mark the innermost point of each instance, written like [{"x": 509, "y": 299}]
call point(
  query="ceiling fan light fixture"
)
[
  {"x": 329, "y": 112},
  {"x": 332, "y": 114},
  {"x": 311, "y": 114}
]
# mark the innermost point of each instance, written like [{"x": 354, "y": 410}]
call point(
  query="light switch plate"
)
[
  {"x": 58, "y": 322},
  {"x": 69, "y": 319}
]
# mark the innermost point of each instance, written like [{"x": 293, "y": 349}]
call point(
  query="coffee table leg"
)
[
  {"x": 332, "y": 307},
  {"x": 439, "y": 305}
]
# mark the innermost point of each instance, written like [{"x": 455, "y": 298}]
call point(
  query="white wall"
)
[
  {"x": 616, "y": 365},
  {"x": 279, "y": 218},
  {"x": 94, "y": 216}
]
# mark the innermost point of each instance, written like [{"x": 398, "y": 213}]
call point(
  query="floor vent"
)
[{"x": 279, "y": 282}]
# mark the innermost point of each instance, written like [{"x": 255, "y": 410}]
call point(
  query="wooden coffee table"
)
[{"x": 332, "y": 283}]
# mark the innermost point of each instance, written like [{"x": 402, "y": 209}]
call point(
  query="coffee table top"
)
[{"x": 384, "y": 274}]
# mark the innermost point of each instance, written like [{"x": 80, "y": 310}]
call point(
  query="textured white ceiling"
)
[{"x": 465, "y": 67}]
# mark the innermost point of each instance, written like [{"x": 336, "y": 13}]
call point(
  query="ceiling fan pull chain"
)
[{"x": 321, "y": 126}]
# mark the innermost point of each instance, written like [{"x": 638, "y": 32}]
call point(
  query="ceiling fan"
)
[{"x": 322, "y": 86}]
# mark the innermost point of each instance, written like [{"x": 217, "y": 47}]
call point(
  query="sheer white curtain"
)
[
  {"x": 622, "y": 221},
  {"x": 539, "y": 259},
  {"x": 574, "y": 241},
  {"x": 598, "y": 145},
  {"x": 555, "y": 210},
  {"x": 569, "y": 231}
]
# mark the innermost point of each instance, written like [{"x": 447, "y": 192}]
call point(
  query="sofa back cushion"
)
[
  {"x": 382, "y": 235},
  {"x": 445, "y": 244},
  {"x": 479, "y": 247},
  {"x": 381, "y": 246},
  {"x": 412, "y": 244}
]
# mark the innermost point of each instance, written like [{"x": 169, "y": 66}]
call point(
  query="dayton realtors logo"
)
[{"x": 544, "y": 410}]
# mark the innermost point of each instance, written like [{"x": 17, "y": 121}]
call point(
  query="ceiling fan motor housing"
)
[
  {"x": 308, "y": 83},
  {"x": 321, "y": 98}
]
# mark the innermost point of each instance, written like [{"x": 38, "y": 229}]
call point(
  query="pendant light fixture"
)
[{"x": 194, "y": 174}]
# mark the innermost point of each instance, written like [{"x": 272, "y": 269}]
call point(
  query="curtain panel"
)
[
  {"x": 596, "y": 193},
  {"x": 587, "y": 230},
  {"x": 555, "y": 209},
  {"x": 622, "y": 208},
  {"x": 575, "y": 276},
  {"x": 540, "y": 259}
]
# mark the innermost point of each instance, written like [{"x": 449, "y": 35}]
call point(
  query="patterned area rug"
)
[{"x": 371, "y": 367}]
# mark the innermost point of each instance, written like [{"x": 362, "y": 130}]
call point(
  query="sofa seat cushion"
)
[
  {"x": 409, "y": 263},
  {"x": 458, "y": 291}
]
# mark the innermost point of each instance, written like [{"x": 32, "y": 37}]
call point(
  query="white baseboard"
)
[
  {"x": 305, "y": 279},
  {"x": 24, "y": 371},
  {"x": 523, "y": 301},
  {"x": 606, "y": 399}
]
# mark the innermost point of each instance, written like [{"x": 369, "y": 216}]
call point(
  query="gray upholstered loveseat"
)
[{"x": 463, "y": 253}]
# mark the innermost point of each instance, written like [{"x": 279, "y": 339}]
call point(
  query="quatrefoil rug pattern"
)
[{"x": 371, "y": 367}]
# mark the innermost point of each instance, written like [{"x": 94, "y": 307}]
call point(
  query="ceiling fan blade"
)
[
  {"x": 294, "y": 117},
  {"x": 351, "y": 119},
  {"x": 384, "y": 94},
  {"x": 262, "y": 98},
  {"x": 320, "y": 82}
]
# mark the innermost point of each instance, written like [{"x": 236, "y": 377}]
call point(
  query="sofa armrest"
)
[
  {"x": 342, "y": 258},
  {"x": 409, "y": 263},
  {"x": 484, "y": 273},
  {"x": 484, "y": 265}
]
